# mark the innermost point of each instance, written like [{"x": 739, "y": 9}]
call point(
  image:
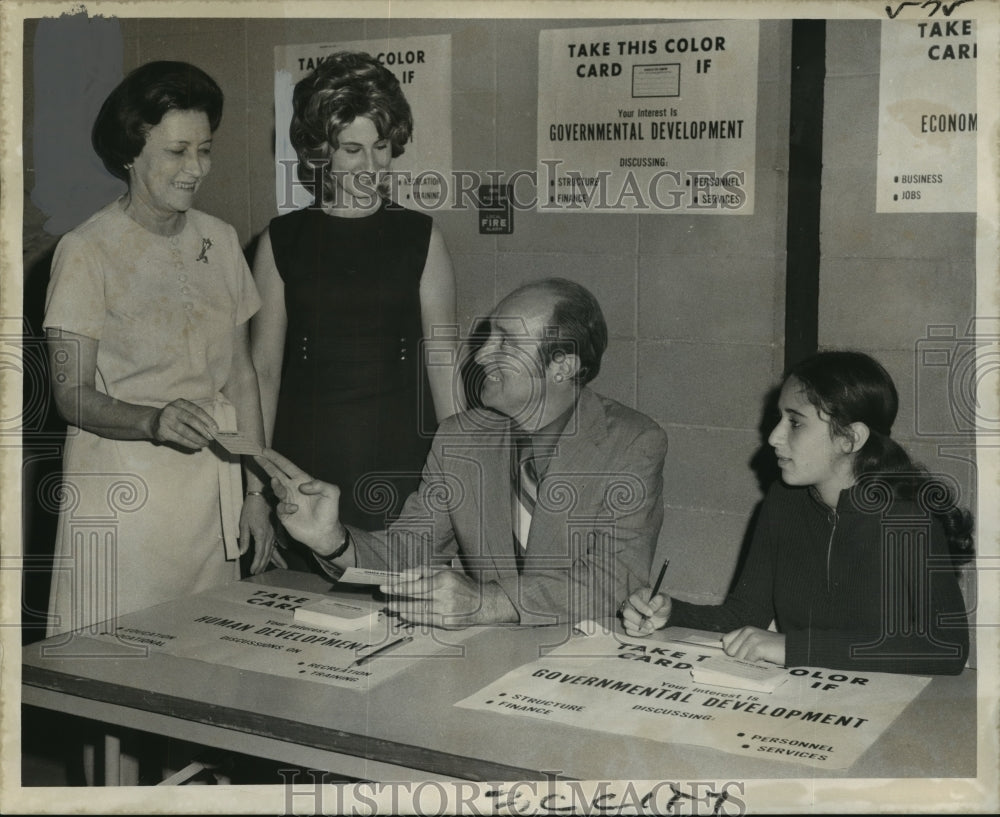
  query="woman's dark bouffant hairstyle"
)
[
  {"x": 849, "y": 387},
  {"x": 140, "y": 101},
  {"x": 344, "y": 86}
]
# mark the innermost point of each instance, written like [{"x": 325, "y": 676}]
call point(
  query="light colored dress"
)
[{"x": 140, "y": 522}]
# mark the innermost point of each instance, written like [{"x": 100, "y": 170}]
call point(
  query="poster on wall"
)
[
  {"x": 656, "y": 118},
  {"x": 927, "y": 117},
  {"x": 423, "y": 67},
  {"x": 697, "y": 318}
]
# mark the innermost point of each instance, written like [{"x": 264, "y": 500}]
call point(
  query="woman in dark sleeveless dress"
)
[{"x": 354, "y": 287}]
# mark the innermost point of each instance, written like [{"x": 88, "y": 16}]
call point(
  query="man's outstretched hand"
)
[{"x": 308, "y": 508}]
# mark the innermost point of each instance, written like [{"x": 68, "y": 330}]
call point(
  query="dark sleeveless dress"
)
[{"x": 355, "y": 406}]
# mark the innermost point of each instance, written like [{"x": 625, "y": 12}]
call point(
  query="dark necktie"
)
[{"x": 524, "y": 484}]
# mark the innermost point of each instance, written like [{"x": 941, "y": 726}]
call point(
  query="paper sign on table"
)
[
  {"x": 251, "y": 626},
  {"x": 642, "y": 688}
]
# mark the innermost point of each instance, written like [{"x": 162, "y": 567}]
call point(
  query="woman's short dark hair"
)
[
  {"x": 578, "y": 324},
  {"x": 343, "y": 87},
  {"x": 140, "y": 101}
]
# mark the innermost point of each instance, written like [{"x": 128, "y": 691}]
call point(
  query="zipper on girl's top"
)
[{"x": 832, "y": 518}]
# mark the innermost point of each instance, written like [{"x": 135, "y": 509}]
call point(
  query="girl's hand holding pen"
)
[
  {"x": 645, "y": 609},
  {"x": 642, "y": 614}
]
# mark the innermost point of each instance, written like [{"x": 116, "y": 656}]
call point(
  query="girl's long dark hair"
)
[{"x": 849, "y": 387}]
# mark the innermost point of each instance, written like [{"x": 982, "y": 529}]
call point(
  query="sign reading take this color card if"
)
[{"x": 658, "y": 118}]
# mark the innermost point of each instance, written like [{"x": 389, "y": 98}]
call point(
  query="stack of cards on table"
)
[
  {"x": 334, "y": 614},
  {"x": 723, "y": 671}
]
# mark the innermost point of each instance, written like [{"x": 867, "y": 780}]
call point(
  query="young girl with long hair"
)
[{"x": 853, "y": 554}]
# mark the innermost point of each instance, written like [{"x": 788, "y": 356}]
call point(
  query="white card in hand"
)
[
  {"x": 365, "y": 575},
  {"x": 235, "y": 443}
]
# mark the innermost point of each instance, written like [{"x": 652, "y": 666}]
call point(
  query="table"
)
[{"x": 407, "y": 728}]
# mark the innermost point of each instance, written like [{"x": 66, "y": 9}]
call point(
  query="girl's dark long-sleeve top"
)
[{"x": 861, "y": 587}]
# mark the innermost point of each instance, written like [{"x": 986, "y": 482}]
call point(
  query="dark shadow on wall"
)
[
  {"x": 471, "y": 371},
  {"x": 765, "y": 468},
  {"x": 43, "y": 434}
]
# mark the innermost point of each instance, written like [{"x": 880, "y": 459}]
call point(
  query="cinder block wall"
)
[
  {"x": 695, "y": 304},
  {"x": 887, "y": 278},
  {"x": 891, "y": 284}
]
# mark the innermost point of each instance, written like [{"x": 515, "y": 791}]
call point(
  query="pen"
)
[
  {"x": 656, "y": 586},
  {"x": 406, "y": 639}
]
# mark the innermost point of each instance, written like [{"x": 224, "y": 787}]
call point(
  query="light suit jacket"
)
[{"x": 594, "y": 527}]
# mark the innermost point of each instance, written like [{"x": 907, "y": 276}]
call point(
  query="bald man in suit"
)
[{"x": 542, "y": 507}]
